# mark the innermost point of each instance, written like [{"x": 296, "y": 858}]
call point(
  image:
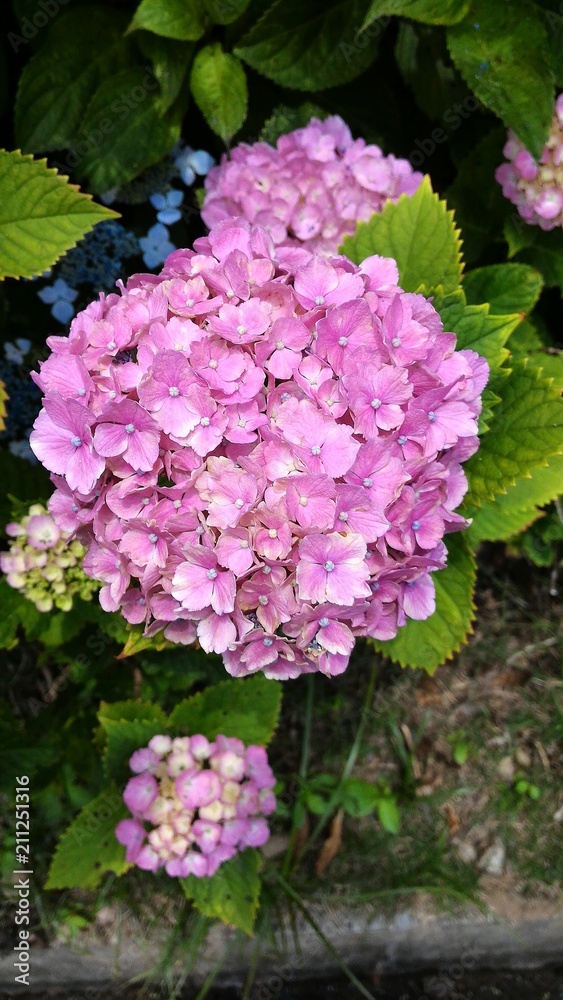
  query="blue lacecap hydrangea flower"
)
[
  {"x": 60, "y": 296},
  {"x": 191, "y": 163},
  {"x": 24, "y": 398},
  {"x": 98, "y": 258},
  {"x": 167, "y": 206},
  {"x": 156, "y": 245}
]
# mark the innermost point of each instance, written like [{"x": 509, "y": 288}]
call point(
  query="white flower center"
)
[
  {"x": 343, "y": 341},
  {"x": 396, "y": 342},
  {"x": 323, "y": 622},
  {"x": 204, "y": 421},
  {"x": 130, "y": 428},
  {"x": 153, "y": 538},
  {"x": 315, "y": 450},
  {"x": 76, "y": 441},
  {"x": 376, "y": 403},
  {"x": 329, "y": 565},
  {"x": 239, "y": 502},
  {"x": 263, "y": 600},
  {"x": 211, "y": 573},
  {"x": 173, "y": 390},
  {"x": 213, "y": 363},
  {"x": 272, "y": 533}
]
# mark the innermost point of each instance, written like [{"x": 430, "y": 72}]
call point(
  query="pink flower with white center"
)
[
  {"x": 325, "y": 446},
  {"x": 165, "y": 393},
  {"x": 262, "y": 409},
  {"x": 419, "y": 598},
  {"x": 310, "y": 501},
  {"x": 377, "y": 398},
  {"x": 42, "y": 532},
  {"x": 241, "y": 324},
  {"x": 126, "y": 429},
  {"x": 284, "y": 346},
  {"x": 229, "y": 491},
  {"x": 203, "y": 803},
  {"x": 62, "y": 440},
  {"x": 345, "y": 328},
  {"x": 536, "y": 186},
  {"x": 332, "y": 568},
  {"x": 199, "y": 582}
]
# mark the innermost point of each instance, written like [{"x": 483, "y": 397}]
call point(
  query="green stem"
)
[
  {"x": 249, "y": 981},
  {"x": 348, "y": 767},
  {"x": 303, "y": 764},
  {"x": 322, "y": 937}
]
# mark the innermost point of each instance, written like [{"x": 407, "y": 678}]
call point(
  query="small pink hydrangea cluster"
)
[
  {"x": 261, "y": 449},
  {"x": 536, "y": 188},
  {"x": 43, "y": 564},
  {"x": 205, "y": 802},
  {"x": 312, "y": 189}
]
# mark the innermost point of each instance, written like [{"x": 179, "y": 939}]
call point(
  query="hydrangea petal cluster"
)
[
  {"x": 261, "y": 449},
  {"x": 312, "y": 189},
  {"x": 204, "y": 802},
  {"x": 43, "y": 564},
  {"x": 536, "y": 188}
]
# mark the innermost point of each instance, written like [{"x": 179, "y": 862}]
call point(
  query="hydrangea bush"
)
[
  {"x": 261, "y": 448},
  {"x": 204, "y": 801},
  {"x": 312, "y": 189},
  {"x": 536, "y": 186}
]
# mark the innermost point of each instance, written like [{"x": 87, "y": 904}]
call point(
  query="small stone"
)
[
  {"x": 523, "y": 757},
  {"x": 506, "y": 769},
  {"x": 493, "y": 860},
  {"x": 467, "y": 852}
]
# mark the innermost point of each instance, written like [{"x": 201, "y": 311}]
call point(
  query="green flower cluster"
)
[{"x": 43, "y": 564}]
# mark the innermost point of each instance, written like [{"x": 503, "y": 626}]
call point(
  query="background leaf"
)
[
  {"x": 429, "y": 11},
  {"x": 311, "y": 46},
  {"x": 500, "y": 50},
  {"x": 513, "y": 511},
  {"x": 246, "y": 708},
  {"x": 185, "y": 20},
  {"x": 41, "y": 215},
  {"x": 218, "y": 83},
  {"x": 89, "y": 848},
  {"x": 508, "y": 288}
]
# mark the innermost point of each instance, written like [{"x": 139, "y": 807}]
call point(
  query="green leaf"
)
[
  {"x": 218, "y": 83},
  {"x": 388, "y": 815},
  {"x": 57, "y": 83},
  {"x": 184, "y": 20},
  {"x": 232, "y": 894},
  {"x": 170, "y": 61},
  {"x": 41, "y": 215},
  {"x": 360, "y": 798},
  {"x": 123, "y": 738},
  {"x": 246, "y": 708},
  {"x": 130, "y": 132},
  {"x": 225, "y": 11},
  {"x": 500, "y": 51},
  {"x": 511, "y": 512},
  {"x": 428, "y": 11},
  {"x": 89, "y": 848},
  {"x": 526, "y": 430},
  {"x": 131, "y": 711},
  {"x": 508, "y": 288},
  {"x": 429, "y": 643},
  {"x": 419, "y": 232},
  {"x": 311, "y": 46}
]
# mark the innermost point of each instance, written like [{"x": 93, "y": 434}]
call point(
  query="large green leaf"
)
[
  {"x": 131, "y": 711},
  {"x": 41, "y": 215},
  {"x": 500, "y": 50},
  {"x": 218, "y": 83},
  {"x": 508, "y": 288},
  {"x": 185, "y": 20},
  {"x": 89, "y": 848},
  {"x": 527, "y": 429},
  {"x": 429, "y": 643},
  {"x": 429, "y": 11},
  {"x": 81, "y": 47},
  {"x": 285, "y": 119},
  {"x": 546, "y": 254},
  {"x": 419, "y": 232},
  {"x": 123, "y": 738},
  {"x": 130, "y": 132},
  {"x": 232, "y": 894},
  {"x": 515, "y": 510},
  {"x": 247, "y": 708},
  {"x": 16, "y": 611},
  {"x": 311, "y": 46},
  {"x": 170, "y": 61}
]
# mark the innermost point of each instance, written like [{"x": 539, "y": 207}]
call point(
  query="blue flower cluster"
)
[
  {"x": 98, "y": 258},
  {"x": 24, "y": 399}
]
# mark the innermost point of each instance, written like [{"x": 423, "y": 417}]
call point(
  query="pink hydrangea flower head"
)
[
  {"x": 195, "y": 804},
  {"x": 270, "y": 456},
  {"x": 536, "y": 186},
  {"x": 310, "y": 190}
]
